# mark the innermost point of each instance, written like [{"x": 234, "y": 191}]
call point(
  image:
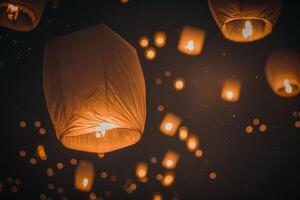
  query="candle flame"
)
[
  {"x": 190, "y": 46},
  {"x": 288, "y": 88},
  {"x": 247, "y": 30},
  {"x": 12, "y": 12},
  {"x": 85, "y": 182}
]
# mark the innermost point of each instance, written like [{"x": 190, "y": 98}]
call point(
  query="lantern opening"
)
[
  {"x": 246, "y": 30},
  {"x": 12, "y": 12}
]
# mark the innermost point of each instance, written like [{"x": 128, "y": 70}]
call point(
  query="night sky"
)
[{"x": 261, "y": 165}]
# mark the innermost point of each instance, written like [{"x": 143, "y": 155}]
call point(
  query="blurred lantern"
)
[
  {"x": 183, "y": 133},
  {"x": 150, "y": 53},
  {"x": 95, "y": 90},
  {"x": 41, "y": 152},
  {"x": 283, "y": 72},
  {"x": 245, "y": 20},
  {"x": 84, "y": 176},
  {"x": 21, "y": 15},
  {"x": 160, "y": 39},
  {"x": 199, "y": 153},
  {"x": 141, "y": 170},
  {"x": 170, "y": 160},
  {"x": 262, "y": 128},
  {"x": 249, "y": 129},
  {"x": 168, "y": 179},
  {"x": 231, "y": 90},
  {"x": 191, "y": 40},
  {"x": 144, "y": 42},
  {"x": 212, "y": 175},
  {"x": 192, "y": 142},
  {"x": 179, "y": 84},
  {"x": 170, "y": 124},
  {"x": 157, "y": 196}
]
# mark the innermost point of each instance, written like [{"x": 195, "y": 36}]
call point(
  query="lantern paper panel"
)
[
  {"x": 245, "y": 20},
  {"x": 231, "y": 90},
  {"x": 170, "y": 160},
  {"x": 170, "y": 124},
  {"x": 21, "y": 15},
  {"x": 95, "y": 90},
  {"x": 283, "y": 72},
  {"x": 84, "y": 176},
  {"x": 191, "y": 40}
]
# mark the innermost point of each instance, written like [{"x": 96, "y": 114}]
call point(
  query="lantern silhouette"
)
[
  {"x": 245, "y": 20},
  {"x": 191, "y": 40},
  {"x": 95, "y": 90},
  {"x": 141, "y": 170},
  {"x": 170, "y": 124},
  {"x": 84, "y": 176},
  {"x": 283, "y": 72},
  {"x": 21, "y": 15},
  {"x": 231, "y": 90},
  {"x": 170, "y": 160}
]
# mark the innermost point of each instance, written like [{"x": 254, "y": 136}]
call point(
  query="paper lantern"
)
[
  {"x": 21, "y": 15},
  {"x": 283, "y": 72},
  {"x": 191, "y": 40},
  {"x": 150, "y": 53},
  {"x": 157, "y": 196},
  {"x": 141, "y": 170},
  {"x": 41, "y": 152},
  {"x": 168, "y": 179},
  {"x": 84, "y": 176},
  {"x": 183, "y": 133},
  {"x": 170, "y": 124},
  {"x": 144, "y": 42},
  {"x": 160, "y": 39},
  {"x": 231, "y": 90},
  {"x": 245, "y": 20},
  {"x": 179, "y": 84},
  {"x": 192, "y": 143},
  {"x": 170, "y": 160},
  {"x": 95, "y": 90}
]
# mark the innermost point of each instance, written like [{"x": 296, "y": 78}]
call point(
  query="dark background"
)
[{"x": 257, "y": 166}]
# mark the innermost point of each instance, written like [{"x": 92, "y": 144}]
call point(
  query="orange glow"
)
[
  {"x": 249, "y": 129},
  {"x": 144, "y": 41},
  {"x": 183, "y": 133},
  {"x": 170, "y": 124},
  {"x": 179, "y": 84},
  {"x": 212, "y": 175},
  {"x": 199, "y": 153},
  {"x": 170, "y": 160},
  {"x": 168, "y": 179},
  {"x": 262, "y": 128},
  {"x": 160, "y": 39},
  {"x": 141, "y": 170},
  {"x": 157, "y": 196},
  {"x": 247, "y": 30},
  {"x": 150, "y": 53},
  {"x": 12, "y": 12},
  {"x": 192, "y": 143},
  {"x": 231, "y": 90},
  {"x": 41, "y": 152},
  {"x": 84, "y": 176}
]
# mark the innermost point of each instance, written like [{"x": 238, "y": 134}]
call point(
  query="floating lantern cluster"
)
[
  {"x": 256, "y": 123},
  {"x": 159, "y": 40},
  {"x": 231, "y": 89}
]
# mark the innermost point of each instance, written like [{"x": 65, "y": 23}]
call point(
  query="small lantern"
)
[
  {"x": 150, "y": 53},
  {"x": 141, "y": 170},
  {"x": 170, "y": 124},
  {"x": 157, "y": 196},
  {"x": 283, "y": 72},
  {"x": 160, "y": 39},
  {"x": 231, "y": 90},
  {"x": 179, "y": 84},
  {"x": 168, "y": 179},
  {"x": 191, "y": 40},
  {"x": 84, "y": 176},
  {"x": 245, "y": 20},
  {"x": 192, "y": 143},
  {"x": 170, "y": 160},
  {"x": 144, "y": 41},
  {"x": 41, "y": 152},
  {"x": 21, "y": 15},
  {"x": 183, "y": 133}
]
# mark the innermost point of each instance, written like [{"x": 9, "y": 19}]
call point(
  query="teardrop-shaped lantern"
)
[
  {"x": 95, "y": 90},
  {"x": 283, "y": 72},
  {"x": 21, "y": 15},
  {"x": 245, "y": 20}
]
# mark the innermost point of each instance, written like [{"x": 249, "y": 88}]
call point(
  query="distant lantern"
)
[
  {"x": 157, "y": 196},
  {"x": 192, "y": 143},
  {"x": 283, "y": 72},
  {"x": 41, "y": 152},
  {"x": 150, "y": 53},
  {"x": 245, "y": 20},
  {"x": 170, "y": 124},
  {"x": 141, "y": 170},
  {"x": 170, "y": 160},
  {"x": 191, "y": 40},
  {"x": 179, "y": 84},
  {"x": 183, "y": 133},
  {"x": 21, "y": 15},
  {"x": 231, "y": 90},
  {"x": 95, "y": 90},
  {"x": 144, "y": 41},
  {"x": 168, "y": 179},
  {"x": 160, "y": 39},
  {"x": 212, "y": 175},
  {"x": 84, "y": 176}
]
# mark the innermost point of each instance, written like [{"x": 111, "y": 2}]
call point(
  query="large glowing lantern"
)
[
  {"x": 283, "y": 72},
  {"x": 191, "y": 40},
  {"x": 231, "y": 90},
  {"x": 84, "y": 176},
  {"x": 170, "y": 124},
  {"x": 21, "y": 15},
  {"x": 95, "y": 90},
  {"x": 245, "y": 20},
  {"x": 170, "y": 160}
]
